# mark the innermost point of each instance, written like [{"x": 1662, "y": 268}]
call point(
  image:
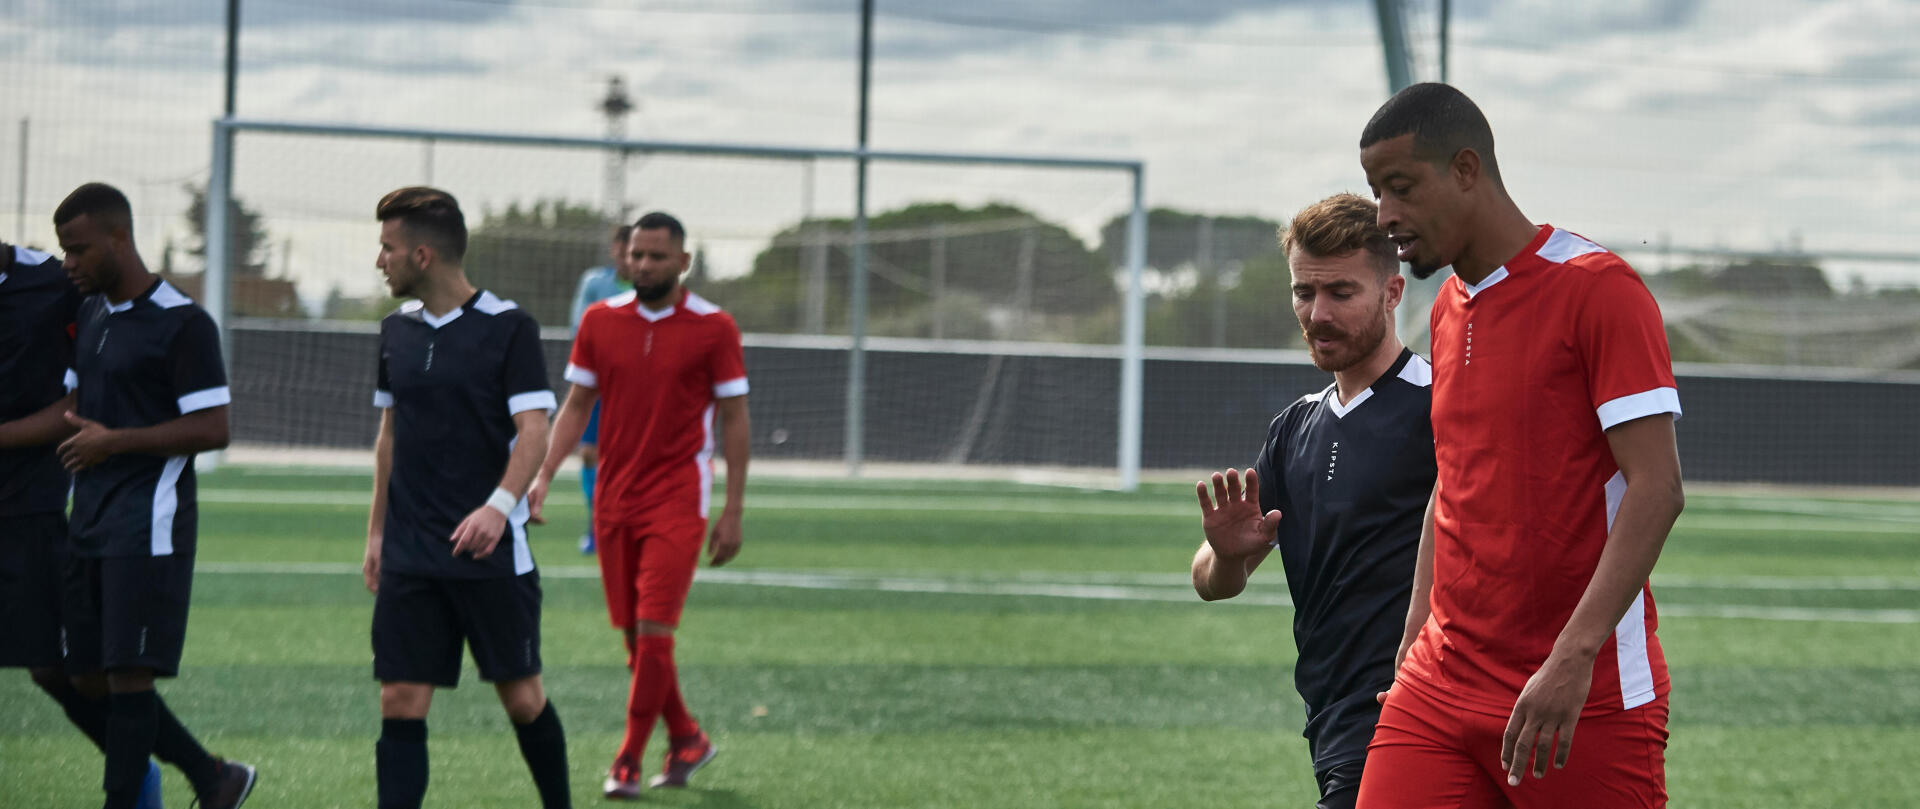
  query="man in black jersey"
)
[
  {"x": 38, "y": 309},
  {"x": 464, "y": 401},
  {"x": 150, "y": 391},
  {"x": 1351, "y": 468}
]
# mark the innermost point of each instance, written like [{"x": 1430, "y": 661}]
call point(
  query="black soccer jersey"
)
[
  {"x": 454, "y": 384},
  {"x": 139, "y": 363},
  {"x": 37, "y": 309},
  {"x": 1351, "y": 483}
]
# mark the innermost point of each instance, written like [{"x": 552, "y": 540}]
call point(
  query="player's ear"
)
[
  {"x": 1396, "y": 288},
  {"x": 1465, "y": 169}
]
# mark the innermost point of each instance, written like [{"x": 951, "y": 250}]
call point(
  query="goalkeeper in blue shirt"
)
[{"x": 597, "y": 284}]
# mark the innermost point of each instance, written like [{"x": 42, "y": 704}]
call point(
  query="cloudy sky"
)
[{"x": 1749, "y": 125}]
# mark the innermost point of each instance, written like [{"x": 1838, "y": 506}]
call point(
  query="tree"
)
[
  {"x": 1174, "y": 239},
  {"x": 534, "y": 255},
  {"x": 937, "y": 270},
  {"x": 246, "y": 232}
]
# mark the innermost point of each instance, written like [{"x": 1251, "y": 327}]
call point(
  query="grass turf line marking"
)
[
  {"x": 1049, "y": 506},
  {"x": 1029, "y": 586}
]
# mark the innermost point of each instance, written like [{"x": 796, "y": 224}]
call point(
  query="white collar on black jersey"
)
[
  {"x": 1414, "y": 371},
  {"x": 162, "y": 294}
]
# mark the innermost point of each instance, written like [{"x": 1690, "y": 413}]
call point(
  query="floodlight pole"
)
[
  {"x": 233, "y": 53},
  {"x": 857, "y": 292}
]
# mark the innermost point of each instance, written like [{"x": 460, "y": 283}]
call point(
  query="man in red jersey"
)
[
  {"x": 1553, "y": 411},
  {"x": 665, "y": 361}
]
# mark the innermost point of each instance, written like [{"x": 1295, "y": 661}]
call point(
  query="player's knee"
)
[
  {"x": 129, "y": 681},
  {"x": 50, "y": 680},
  {"x": 589, "y": 455},
  {"x": 405, "y": 700},
  {"x": 524, "y": 699},
  {"x": 92, "y": 686}
]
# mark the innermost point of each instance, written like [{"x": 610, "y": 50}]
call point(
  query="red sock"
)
[
  {"x": 653, "y": 679},
  {"x": 680, "y": 724}
]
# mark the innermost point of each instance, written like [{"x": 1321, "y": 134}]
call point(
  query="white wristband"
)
[{"x": 503, "y": 501}]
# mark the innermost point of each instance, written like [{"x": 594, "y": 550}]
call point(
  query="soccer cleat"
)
[
  {"x": 683, "y": 760},
  {"x": 231, "y": 787},
  {"x": 150, "y": 789},
  {"x": 586, "y": 544},
  {"x": 623, "y": 781}
]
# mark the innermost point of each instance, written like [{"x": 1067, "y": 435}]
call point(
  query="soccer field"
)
[{"x": 908, "y": 644}]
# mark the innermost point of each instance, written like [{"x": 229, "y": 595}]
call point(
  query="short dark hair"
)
[
  {"x": 1442, "y": 121},
  {"x": 622, "y": 232},
  {"x": 1339, "y": 225},
  {"x": 428, "y": 214},
  {"x": 657, "y": 220},
  {"x": 98, "y": 200}
]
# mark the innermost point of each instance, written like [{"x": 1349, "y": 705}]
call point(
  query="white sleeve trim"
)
[
  {"x": 203, "y": 399},
  {"x": 71, "y": 380},
  {"x": 1639, "y": 405},
  {"x": 382, "y": 398},
  {"x": 730, "y": 388},
  {"x": 581, "y": 376},
  {"x": 531, "y": 400}
]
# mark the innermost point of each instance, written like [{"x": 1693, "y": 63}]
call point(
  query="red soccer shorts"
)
[
  {"x": 1427, "y": 754},
  {"x": 646, "y": 568}
]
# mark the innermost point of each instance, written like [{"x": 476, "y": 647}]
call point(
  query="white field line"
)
[
  {"x": 1156, "y": 587},
  {"x": 1890, "y": 523}
]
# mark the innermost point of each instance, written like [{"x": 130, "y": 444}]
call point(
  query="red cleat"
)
[{"x": 684, "y": 758}]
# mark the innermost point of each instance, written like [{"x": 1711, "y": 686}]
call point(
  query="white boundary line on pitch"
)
[
  {"x": 1169, "y": 592},
  {"x": 950, "y": 503}
]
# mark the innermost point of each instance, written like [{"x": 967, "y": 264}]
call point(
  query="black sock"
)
[
  {"x": 544, "y": 745},
  {"x": 174, "y": 745},
  {"x": 131, "y": 719},
  {"x": 86, "y": 713},
  {"x": 400, "y": 759}
]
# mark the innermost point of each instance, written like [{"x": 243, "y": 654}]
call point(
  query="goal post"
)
[{"x": 219, "y": 278}]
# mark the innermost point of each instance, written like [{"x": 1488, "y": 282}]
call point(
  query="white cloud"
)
[{"x": 1713, "y": 122}]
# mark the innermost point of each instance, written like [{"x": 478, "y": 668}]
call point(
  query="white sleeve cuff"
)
[
  {"x": 71, "y": 380},
  {"x": 581, "y": 376},
  {"x": 1639, "y": 405},
  {"x": 203, "y": 399},
  {"x": 382, "y": 398},
  {"x": 730, "y": 388},
  {"x": 531, "y": 400}
]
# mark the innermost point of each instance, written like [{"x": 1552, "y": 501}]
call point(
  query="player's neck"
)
[
  {"x": 445, "y": 291},
  {"x": 1499, "y": 239},
  {"x": 1349, "y": 383},
  {"x": 133, "y": 283}
]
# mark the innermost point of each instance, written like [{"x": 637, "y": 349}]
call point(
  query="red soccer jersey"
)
[
  {"x": 658, "y": 373},
  {"x": 1530, "y": 368}
]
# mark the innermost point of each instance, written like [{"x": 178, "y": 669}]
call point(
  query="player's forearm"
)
[
  {"x": 736, "y": 433},
  {"x": 1647, "y": 512},
  {"x": 46, "y": 426},
  {"x": 1215, "y": 578},
  {"x": 529, "y": 449},
  {"x": 382, "y": 472},
  {"x": 567, "y": 428},
  {"x": 199, "y": 431},
  {"x": 1420, "y": 602}
]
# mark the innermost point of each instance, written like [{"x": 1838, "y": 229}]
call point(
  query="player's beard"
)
[
  {"x": 1350, "y": 349},
  {"x": 656, "y": 293},
  {"x": 1423, "y": 272}
]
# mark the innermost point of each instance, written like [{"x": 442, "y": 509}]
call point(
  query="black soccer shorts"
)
[
  {"x": 32, "y": 565},
  {"x": 126, "y": 612},
  {"x": 420, "y": 623}
]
